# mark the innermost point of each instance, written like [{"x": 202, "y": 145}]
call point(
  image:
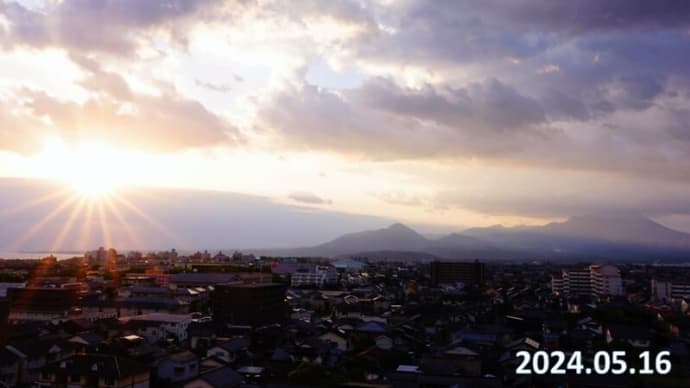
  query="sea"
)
[{"x": 38, "y": 255}]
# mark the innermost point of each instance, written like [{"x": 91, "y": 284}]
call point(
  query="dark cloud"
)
[
  {"x": 309, "y": 198},
  {"x": 94, "y": 25},
  {"x": 492, "y": 105},
  {"x": 593, "y": 16},
  {"x": 450, "y": 31},
  {"x": 384, "y": 121},
  {"x": 611, "y": 101}
]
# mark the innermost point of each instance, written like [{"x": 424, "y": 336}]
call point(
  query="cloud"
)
[
  {"x": 95, "y": 25},
  {"x": 309, "y": 198},
  {"x": 488, "y": 106},
  {"x": 221, "y": 88},
  {"x": 381, "y": 120},
  {"x": 548, "y": 69},
  {"x": 115, "y": 115},
  {"x": 166, "y": 122},
  {"x": 453, "y": 32}
]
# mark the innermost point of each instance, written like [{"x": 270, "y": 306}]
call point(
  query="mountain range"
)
[{"x": 611, "y": 236}]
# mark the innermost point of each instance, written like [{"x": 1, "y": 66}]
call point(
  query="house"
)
[
  {"x": 251, "y": 374},
  {"x": 637, "y": 337},
  {"x": 178, "y": 367},
  {"x": 552, "y": 331},
  {"x": 95, "y": 370},
  {"x": 40, "y": 303},
  {"x": 157, "y": 326},
  {"x": 86, "y": 342},
  {"x": 224, "y": 377},
  {"x": 10, "y": 363},
  {"x": 231, "y": 350},
  {"x": 338, "y": 338},
  {"x": 193, "y": 280},
  {"x": 457, "y": 360},
  {"x": 201, "y": 335},
  {"x": 138, "y": 305},
  {"x": 35, "y": 354},
  {"x": 371, "y": 328}
]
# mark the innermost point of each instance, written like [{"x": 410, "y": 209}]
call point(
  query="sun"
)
[
  {"x": 91, "y": 185},
  {"x": 91, "y": 169}
]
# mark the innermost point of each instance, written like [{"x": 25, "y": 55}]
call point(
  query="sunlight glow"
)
[{"x": 90, "y": 169}]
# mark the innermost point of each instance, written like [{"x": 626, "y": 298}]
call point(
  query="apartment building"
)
[{"x": 596, "y": 280}]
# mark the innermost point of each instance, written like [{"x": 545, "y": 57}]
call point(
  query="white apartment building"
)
[
  {"x": 606, "y": 280},
  {"x": 596, "y": 280},
  {"x": 317, "y": 276}
]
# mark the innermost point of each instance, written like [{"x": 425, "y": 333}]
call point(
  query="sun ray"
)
[
  {"x": 33, "y": 203},
  {"x": 150, "y": 220},
  {"x": 110, "y": 206},
  {"x": 69, "y": 225},
  {"x": 40, "y": 225},
  {"x": 105, "y": 228},
  {"x": 85, "y": 238}
]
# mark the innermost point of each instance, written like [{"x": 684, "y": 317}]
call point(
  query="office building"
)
[
  {"x": 468, "y": 273},
  {"x": 249, "y": 304}
]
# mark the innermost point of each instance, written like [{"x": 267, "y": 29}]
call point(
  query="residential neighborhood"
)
[{"x": 203, "y": 320}]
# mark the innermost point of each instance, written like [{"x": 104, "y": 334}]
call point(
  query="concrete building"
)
[
  {"x": 468, "y": 273},
  {"x": 670, "y": 289},
  {"x": 317, "y": 275},
  {"x": 595, "y": 280},
  {"x": 606, "y": 280},
  {"x": 249, "y": 304}
]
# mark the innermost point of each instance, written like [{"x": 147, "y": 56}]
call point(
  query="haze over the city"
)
[{"x": 288, "y": 123}]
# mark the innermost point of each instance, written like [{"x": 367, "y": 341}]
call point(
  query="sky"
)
[{"x": 448, "y": 114}]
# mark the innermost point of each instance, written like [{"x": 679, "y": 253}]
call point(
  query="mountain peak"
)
[
  {"x": 400, "y": 227},
  {"x": 610, "y": 216}
]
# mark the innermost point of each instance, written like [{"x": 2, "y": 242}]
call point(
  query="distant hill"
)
[
  {"x": 614, "y": 235},
  {"x": 401, "y": 242},
  {"x": 605, "y": 236}
]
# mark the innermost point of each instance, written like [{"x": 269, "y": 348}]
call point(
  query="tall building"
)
[
  {"x": 606, "y": 280},
  {"x": 596, "y": 280},
  {"x": 468, "y": 273},
  {"x": 670, "y": 289},
  {"x": 249, "y": 304},
  {"x": 316, "y": 275}
]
